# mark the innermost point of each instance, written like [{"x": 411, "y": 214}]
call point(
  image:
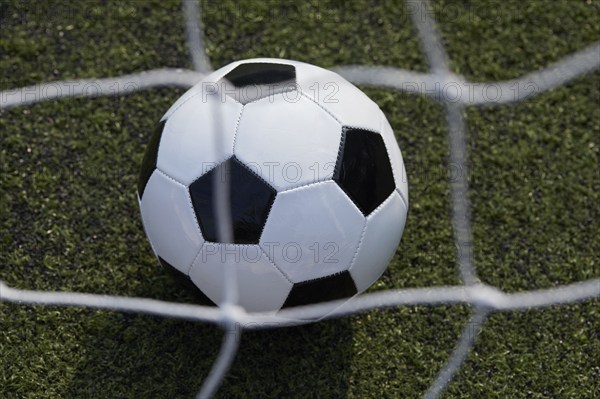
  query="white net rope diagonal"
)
[
  {"x": 427, "y": 84},
  {"x": 447, "y": 88},
  {"x": 481, "y": 295}
]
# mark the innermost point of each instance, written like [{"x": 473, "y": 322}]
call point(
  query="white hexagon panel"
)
[
  {"x": 198, "y": 135},
  {"x": 169, "y": 221},
  {"x": 261, "y": 286},
  {"x": 312, "y": 232},
  {"x": 380, "y": 241},
  {"x": 288, "y": 140},
  {"x": 339, "y": 97}
]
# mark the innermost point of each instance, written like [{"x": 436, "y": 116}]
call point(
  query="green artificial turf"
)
[{"x": 69, "y": 215}]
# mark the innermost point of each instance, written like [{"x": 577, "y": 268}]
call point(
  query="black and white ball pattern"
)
[{"x": 318, "y": 188}]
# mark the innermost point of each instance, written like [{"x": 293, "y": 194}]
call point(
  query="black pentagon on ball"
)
[
  {"x": 185, "y": 281},
  {"x": 149, "y": 161},
  {"x": 252, "y": 81},
  {"x": 250, "y": 199},
  {"x": 363, "y": 169},
  {"x": 329, "y": 288},
  {"x": 260, "y": 73}
]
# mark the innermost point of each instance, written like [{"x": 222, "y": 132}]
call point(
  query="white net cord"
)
[{"x": 483, "y": 298}]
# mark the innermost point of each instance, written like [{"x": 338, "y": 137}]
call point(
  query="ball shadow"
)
[
  {"x": 306, "y": 361},
  {"x": 139, "y": 356}
]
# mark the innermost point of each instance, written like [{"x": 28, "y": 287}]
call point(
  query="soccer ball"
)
[{"x": 318, "y": 191}]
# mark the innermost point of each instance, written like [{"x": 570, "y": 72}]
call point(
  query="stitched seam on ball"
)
[
  {"x": 312, "y": 280},
  {"x": 338, "y": 164},
  {"x": 294, "y": 88},
  {"x": 189, "y": 195},
  {"x": 274, "y": 190},
  {"x": 404, "y": 201},
  {"x": 340, "y": 153},
  {"x": 237, "y": 127},
  {"x": 302, "y": 187},
  {"x": 303, "y": 94},
  {"x": 157, "y": 151},
  {"x": 362, "y": 236},
  {"x": 254, "y": 173},
  {"x": 275, "y": 265},
  {"x": 323, "y": 180},
  {"x": 390, "y": 160},
  {"x": 199, "y": 93},
  {"x": 357, "y": 127},
  {"x": 195, "y": 258},
  {"x": 170, "y": 177},
  {"x": 261, "y": 179},
  {"x": 268, "y": 213},
  {"x": 234, "y": 99},
  {"x": 189, "y": 198},
  {"x": 388, "y": 199},
  {"x": 183, "y": 103},
  {"x": 386, "y": 147},
  {"x": 213, "y": 168}
]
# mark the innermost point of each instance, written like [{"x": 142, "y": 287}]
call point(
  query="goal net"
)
[{"x": 440, "y": 83}]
